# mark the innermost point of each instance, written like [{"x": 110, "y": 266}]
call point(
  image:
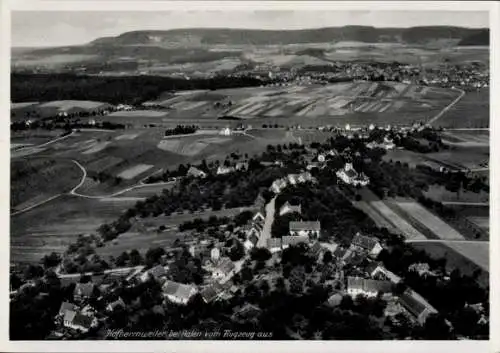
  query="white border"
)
[{"x": 290, "y": 346}]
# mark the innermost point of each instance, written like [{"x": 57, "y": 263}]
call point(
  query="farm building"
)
[
  {"x": 305, "y": 228},
  {"x": 368, "y": 287},
  {"x": 416, "y": 305},
  {"x": 365, "y": 243},
  {"x": 349, "y": 176},
  {"x": 177, "y": 292},
  {"x": 155, "y": 272},
  {"x": 377, "y": 270},
  {"x": 117, "y": 303},
  {"x": 78, "y": 321},
  {"x": 287, "y": 208}
]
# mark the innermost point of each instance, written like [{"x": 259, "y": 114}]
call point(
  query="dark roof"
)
[
  {"x": 209, "y": 293},
  {"x": 157, "y": 271},
  {"x": 315, "y": 249},
  {"x": 368, "y": 285},
  {"x": 83, "y": 320},
  {"x": 339, "y": 252},
  {"x": 364, "y": 241},
  {"x": 300, "y": 226},
  {"x": 294, "y": 240},
  {"x": 351, "y": 173},
  {"x": 415, "y": 304},
  {"x": 372, "y": 266}
]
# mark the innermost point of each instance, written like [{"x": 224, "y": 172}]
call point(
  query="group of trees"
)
[
  {"x": 181, "y": 130},
  {"x": 111, "y": 89}
]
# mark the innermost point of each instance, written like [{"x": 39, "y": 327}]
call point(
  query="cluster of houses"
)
[{"x": 291, "y": 179}]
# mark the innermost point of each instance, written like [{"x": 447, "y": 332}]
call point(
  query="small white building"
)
[
  {"x": 225, "y": 131},
  {"x": 305, "y": 228},
  {"x": 287, "y": 208},
  {"x": 367, "y": 287}
]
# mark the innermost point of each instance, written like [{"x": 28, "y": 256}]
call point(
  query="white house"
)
[
  {"x": 250, "y": 242},
  {"x": 224, "y": 170},
  {"x": 195, "y": 172},
  {"x": 78, "y": 321},
  {"x": 225, "y": 131},
  {"x": 349, "y": 176}
]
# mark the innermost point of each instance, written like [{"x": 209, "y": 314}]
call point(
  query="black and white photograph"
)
[{"x": 258, "y": 175}]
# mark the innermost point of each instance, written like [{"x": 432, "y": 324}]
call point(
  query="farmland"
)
[
  {"x": 357, "y": 103},
  {"x": 33, "y": 180},
  {"x": 472, "y": 111},
  {"x": 455, "y": 260}
]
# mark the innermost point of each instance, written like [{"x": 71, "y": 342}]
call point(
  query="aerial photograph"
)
[{"x": 249, "y": 175}]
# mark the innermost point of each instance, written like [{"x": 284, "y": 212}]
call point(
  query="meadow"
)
[{"x": 472, "y": 111}]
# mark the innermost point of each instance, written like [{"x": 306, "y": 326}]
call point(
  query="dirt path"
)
[{"x": 448, "y": 107}]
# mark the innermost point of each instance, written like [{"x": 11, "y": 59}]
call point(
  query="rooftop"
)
[
  {"x": 368, "y": 285},
  {"x": 304, "y": 226}
]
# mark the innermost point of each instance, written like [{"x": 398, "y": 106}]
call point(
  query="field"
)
[
  {"x": 52, "y": 226},
  {"x": 440, "y": 194},
  {"x": 454, "y": 260},
  {"x": 472, "y": 111},
  {"x": 455, "y": 158},
  {"x": 134, "y": 171},
  {"x": 34, "y": 180},
  {"x": 356, "y": 103},
  {"x": 35, "y": 110},
  {"x": 467, "y": 138}
]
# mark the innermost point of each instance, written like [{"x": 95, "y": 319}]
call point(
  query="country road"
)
[
  {"x": 445, "y": 109},
  {"x": 458, "y": 203},
  {"x": 74, "y": 191}
]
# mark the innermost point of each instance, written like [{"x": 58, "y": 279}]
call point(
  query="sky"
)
[{"x": 57, "y": 28}]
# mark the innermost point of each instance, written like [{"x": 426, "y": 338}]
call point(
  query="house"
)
[
  {"x": 288, "y": 240},
  {"x": 177, "y": 292},
  {"x": 274, "y": 244},
  {"x": 287, "y": 208},
  {"x": 251, "y": 242},
  {"x": 225, "y": 131},
  {"x": 332, "y": 247},
  {"x": 155, "y": 273},
  {"x": 367, "y": 287},
  {"x": 416, "y": 305},
  {"x": 305, "y": 228},
  {"x": 224, "y": 270},
  {"x": 83, "y": 291},
  {"x": 316, "y": 250},
  {"x": 423, "y": 269},
  {"x": 195, "y": 172},
  {"x": 225, "y": 170},
  {"x": 366, "y": 243},
  {"x": 212, "y": 292},
  {"x": 349, "y": 176},
  {"x": 77, "y": 321},
  {"x": 215, "y": 255},
  {"x": 259, "y": 216},
  {"x": 117, "y": 303},
  {"x": 254, "y": 229}
]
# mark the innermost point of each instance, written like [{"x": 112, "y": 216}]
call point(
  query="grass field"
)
[
  {"x": 470, "y": 138},
  {"x": 52, "y": 226},
  {"x": 472, "y": 111},
  {"x": 33, "y": 180},
  {"x": 439, "y": 193},
  {"x": 429, "y": 220},
  {"x": 134, "y": 171}
]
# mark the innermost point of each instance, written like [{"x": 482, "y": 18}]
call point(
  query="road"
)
[
  {"x": 35, "y": 205},
  {"x": 458, "y": 203},
  {"x": 268, "y": 222},
  {"x": 467, "y": 129},
  {"x": 445, "y": 109},
  {"x": 74, "y": 191},
  {"x": 445, "y": 241}
]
